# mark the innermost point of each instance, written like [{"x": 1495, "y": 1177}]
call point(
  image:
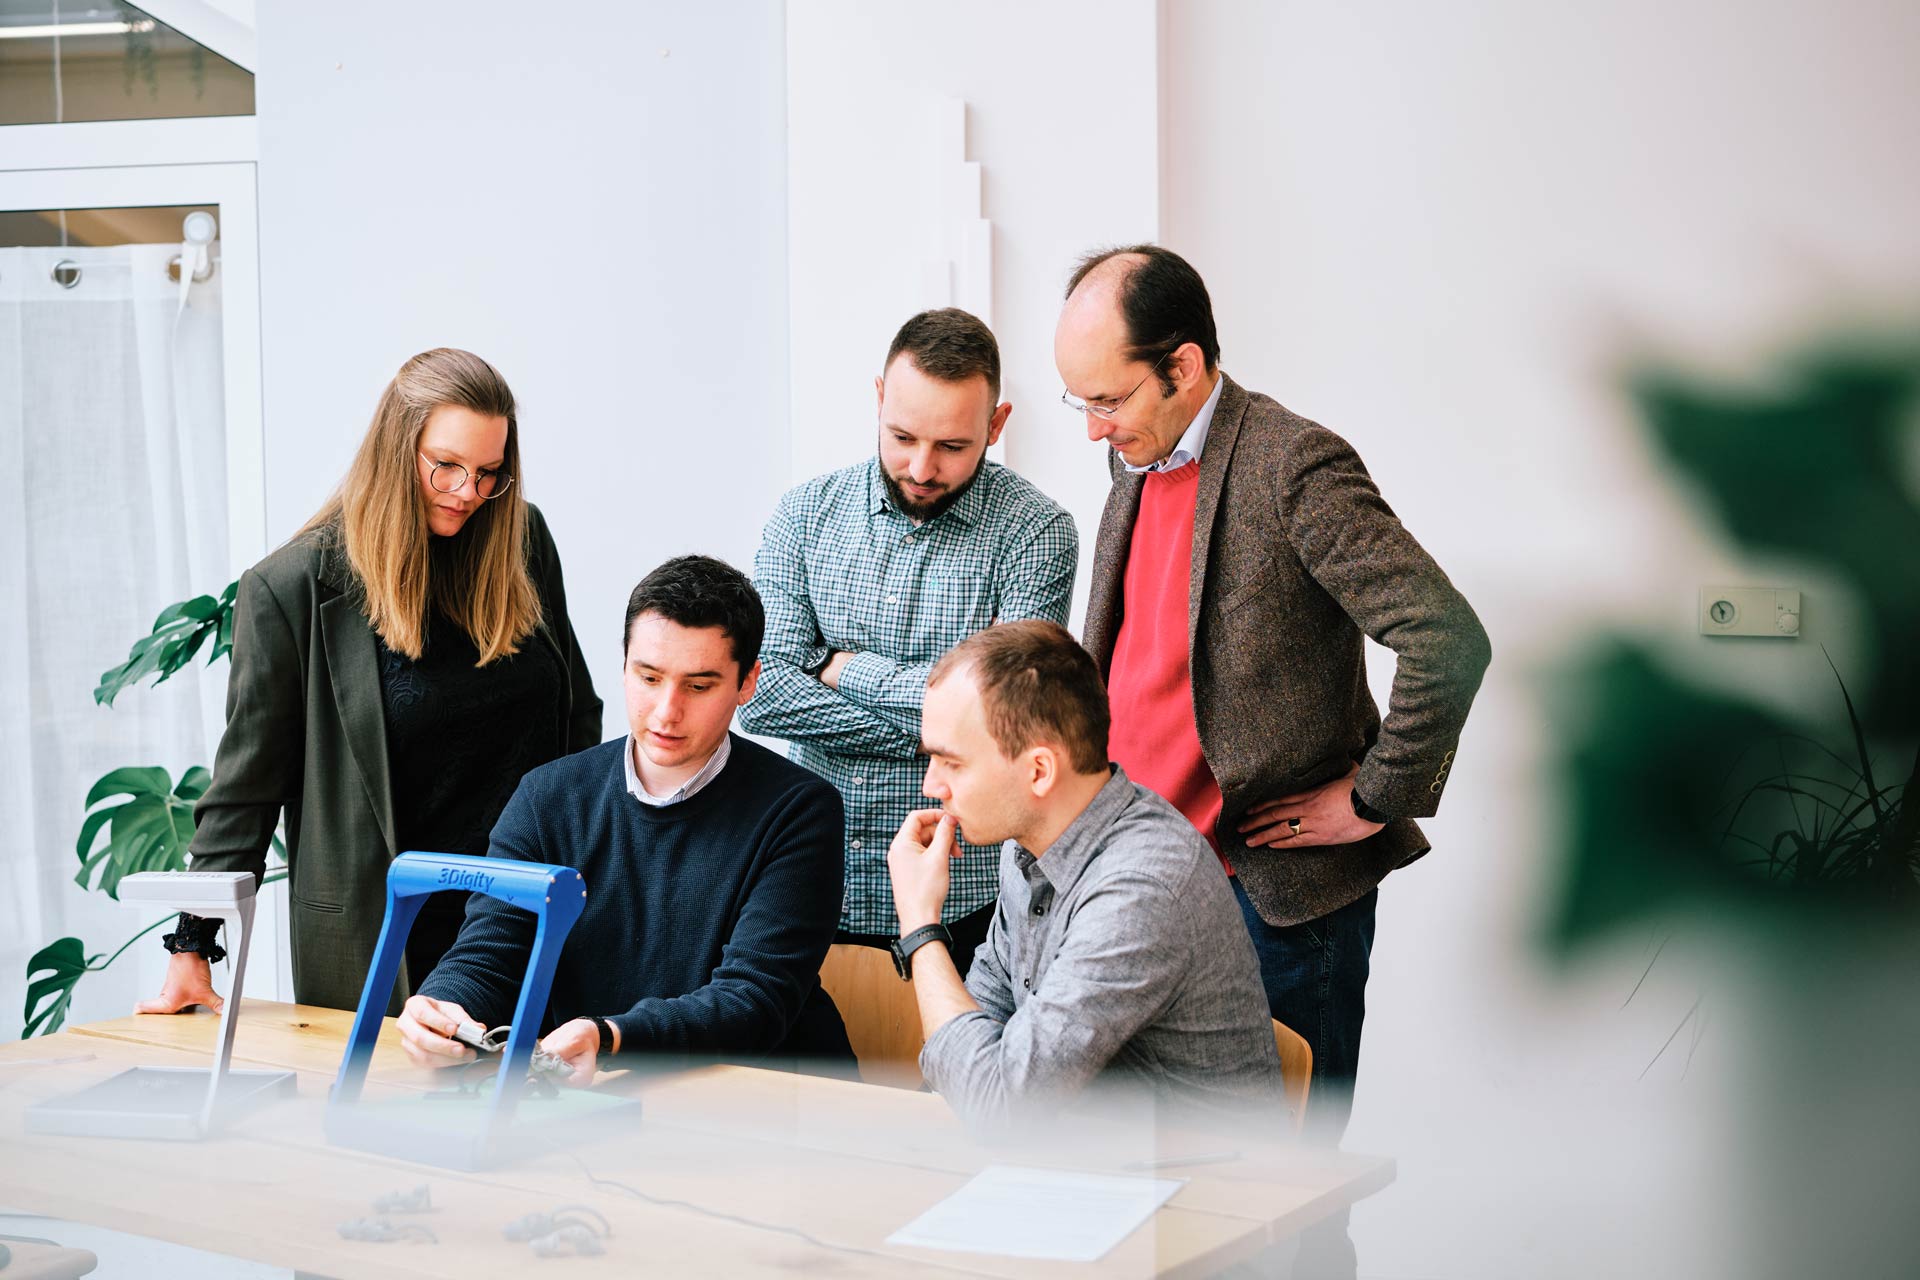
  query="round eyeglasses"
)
[
  {"x": 1107, "y": 411},
  {"x": 451, "y": 477}
]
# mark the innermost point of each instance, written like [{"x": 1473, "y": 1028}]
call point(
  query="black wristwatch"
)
[
  {"x": 195, "y": 933},
  {"x": 903, "y": 948},
  {"x": 815, "y": 667},
  {"x": 605, "y": 1029},
  {"x": 1367, "y": 813}
]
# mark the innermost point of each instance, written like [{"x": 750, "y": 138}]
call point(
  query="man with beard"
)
[{"x": 870, "y": 573}]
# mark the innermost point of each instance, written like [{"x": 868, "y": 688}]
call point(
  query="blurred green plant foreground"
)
[
  {"x": 1702, "y": 810},
  {"x": 1669, "y": 807}
]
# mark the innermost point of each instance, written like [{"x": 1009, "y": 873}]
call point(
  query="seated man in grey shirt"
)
[{"x": 1116, "y": 951}]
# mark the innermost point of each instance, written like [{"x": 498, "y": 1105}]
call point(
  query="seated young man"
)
[
  {"x": 1116, "y": 950},
  {"x": 712, "y": 865}
]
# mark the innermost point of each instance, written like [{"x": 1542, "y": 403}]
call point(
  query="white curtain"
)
[{"x": 112, "y": 506}]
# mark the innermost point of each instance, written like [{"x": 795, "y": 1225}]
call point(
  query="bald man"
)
[{"x": 1243, "y": 554}]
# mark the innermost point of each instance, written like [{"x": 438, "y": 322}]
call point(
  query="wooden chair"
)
[
  {"x": 882, "y": 1017},
  {"x": 883, "y": 1025},
  {"x": 1296, "y": 1070}
]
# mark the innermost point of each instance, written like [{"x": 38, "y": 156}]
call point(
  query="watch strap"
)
[
  {"x": 904, "y": 948},
  {"x": 605, "y": 1029}
]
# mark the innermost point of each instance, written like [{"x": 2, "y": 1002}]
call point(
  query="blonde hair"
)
[{"x": 380, "y": 517}]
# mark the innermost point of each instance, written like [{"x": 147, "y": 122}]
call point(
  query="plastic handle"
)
[{"x": 527, "y": 885}]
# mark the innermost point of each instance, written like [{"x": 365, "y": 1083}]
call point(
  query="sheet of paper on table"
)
[{"x": 1039, "y": 1213}]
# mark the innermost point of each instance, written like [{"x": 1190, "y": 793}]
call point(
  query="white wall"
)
[
  {"x": 1438, "y": 229},
  {"x": 596, "y": 206},
  {"x": 1061, "y": 115}
]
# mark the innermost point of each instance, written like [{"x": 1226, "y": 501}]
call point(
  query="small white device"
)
[
  {"x": 1749, "y": 611},
  {"x": 197, "y": 228},
  {"x": 176, "y": 1102}
]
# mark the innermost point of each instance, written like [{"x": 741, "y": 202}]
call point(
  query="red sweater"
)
[{"x": 1150, "y": 684}]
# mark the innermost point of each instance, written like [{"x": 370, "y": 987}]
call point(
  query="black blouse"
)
[{"x": 459, "y": 739}]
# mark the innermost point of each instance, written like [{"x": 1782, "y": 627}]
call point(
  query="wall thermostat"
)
[{"x": 1749, "y": 611}]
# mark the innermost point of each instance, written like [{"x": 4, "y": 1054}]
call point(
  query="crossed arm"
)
[
  {"x": 1036, "y": 582},
  {"x": 869, "y": 703},
  {"x": 789, "y": 703}
]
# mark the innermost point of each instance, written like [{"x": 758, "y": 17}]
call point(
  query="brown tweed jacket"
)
[{"x": 1295, "y": 556}]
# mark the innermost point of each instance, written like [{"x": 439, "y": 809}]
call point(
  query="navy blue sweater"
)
[{"x": 706, "y": 921}]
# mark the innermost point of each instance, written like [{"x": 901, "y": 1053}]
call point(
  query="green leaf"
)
[
  {"x": 64, "y": 962},
  {"x": 1645, "y": 835},
  {"x": 88, "y": 863},
  {"x": 182, "y": 819},
  {"x": 140, "y": 780},
  {"x": 173, "y": 656},
  {"x": 223, "y": 634},
  {"x": 149, "y": 830},
  {"x": 130, "y": 857},
  {"x": 147, "y": 645},
  {"x": 166, "y": 851},
  {"x": 200, "y": 608},
  {"x": 178, "y": 633},
  {"x": 1832, "y": 429},
  {"x": 1859, "y": 744},
  {"x": 190, "y": 647},
  {"x": 89, "y": 831},
  {"x": 1666, "y": 746}
]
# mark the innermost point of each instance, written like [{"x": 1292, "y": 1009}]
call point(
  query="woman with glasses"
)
[{"x": 397, "y": 666}]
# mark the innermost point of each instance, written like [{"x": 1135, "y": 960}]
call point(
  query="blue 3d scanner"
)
[{"x": 454, "y": 1128}]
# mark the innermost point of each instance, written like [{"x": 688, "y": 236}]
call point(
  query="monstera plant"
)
[{"x": 137, "y": 818}]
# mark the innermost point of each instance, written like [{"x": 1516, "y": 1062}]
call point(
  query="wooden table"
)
[{"x": 730, "y": 1171}]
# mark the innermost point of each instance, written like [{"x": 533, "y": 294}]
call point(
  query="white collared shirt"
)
[
  {"x": 1192, "y": 440},
  {"x": 708, "y": 772}
]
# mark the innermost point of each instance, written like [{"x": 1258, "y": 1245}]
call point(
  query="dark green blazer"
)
[{"x": 306, "y": 733}]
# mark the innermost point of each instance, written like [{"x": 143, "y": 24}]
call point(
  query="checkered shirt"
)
[{"x": 840, "y": 568}]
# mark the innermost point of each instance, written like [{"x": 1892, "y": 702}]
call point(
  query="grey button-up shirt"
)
[{"x": 1119, "y": 954}]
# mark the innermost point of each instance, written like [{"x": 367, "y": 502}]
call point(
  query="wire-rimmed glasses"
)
[
  {"x": 1107, "y": 411},
  {"x": 451, "y": 477}
]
